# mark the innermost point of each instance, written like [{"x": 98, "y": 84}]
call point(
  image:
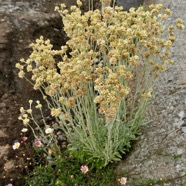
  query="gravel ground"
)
[{"x": 159, "y": 157}]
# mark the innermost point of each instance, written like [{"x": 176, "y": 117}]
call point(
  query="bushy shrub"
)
[{"x": 98, "y": 85}]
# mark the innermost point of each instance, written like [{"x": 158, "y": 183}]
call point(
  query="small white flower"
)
[
  {"x": 48, "y": 130},
  {"x": 16, "y": 145},
  {"x": 26, "y": 121},
  {"x": 30, "y": 101},
  {"x": 24, "y": 130}
]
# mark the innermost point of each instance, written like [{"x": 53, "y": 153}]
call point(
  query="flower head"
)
[
  {"x": 26, "y": 121},
  {"x": 123, "y": 180},
  {"x": 37, "y": 143},
  {"x": 9, "y": 184},
  {"x": 84, "y": 169},
  {"x": 24, "y": 138},
  {"x": 16, "y": 145},
  {"x": 48, "y": 130},
  {"x": 79, "y": 3}
]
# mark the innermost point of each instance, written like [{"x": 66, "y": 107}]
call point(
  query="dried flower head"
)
[{"x": 55, "y": 112}]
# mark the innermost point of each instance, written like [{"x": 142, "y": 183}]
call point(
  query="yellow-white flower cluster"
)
[{"x": 105, "y": 50}]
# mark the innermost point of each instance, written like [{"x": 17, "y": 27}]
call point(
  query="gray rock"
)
[{"x": 127, "y": 4}]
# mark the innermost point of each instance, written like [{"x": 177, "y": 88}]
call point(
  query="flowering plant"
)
[{"x": 99, "y": 90}]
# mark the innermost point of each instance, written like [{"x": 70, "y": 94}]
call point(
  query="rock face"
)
[{"x": 127, "y": 4}]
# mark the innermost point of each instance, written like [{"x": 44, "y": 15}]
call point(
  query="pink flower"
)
[
  {"x": 123, "y": 180},
  {"x": 9, "y": 184},
  {"x": 24, "y": 138},
  {"x": 84, "y": 169},
  {"x": 37, "y": 143}
]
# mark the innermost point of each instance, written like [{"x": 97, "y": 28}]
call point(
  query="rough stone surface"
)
[
  {"x": 9, "y": 165},
  {"x": 159, "y": 157}
]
